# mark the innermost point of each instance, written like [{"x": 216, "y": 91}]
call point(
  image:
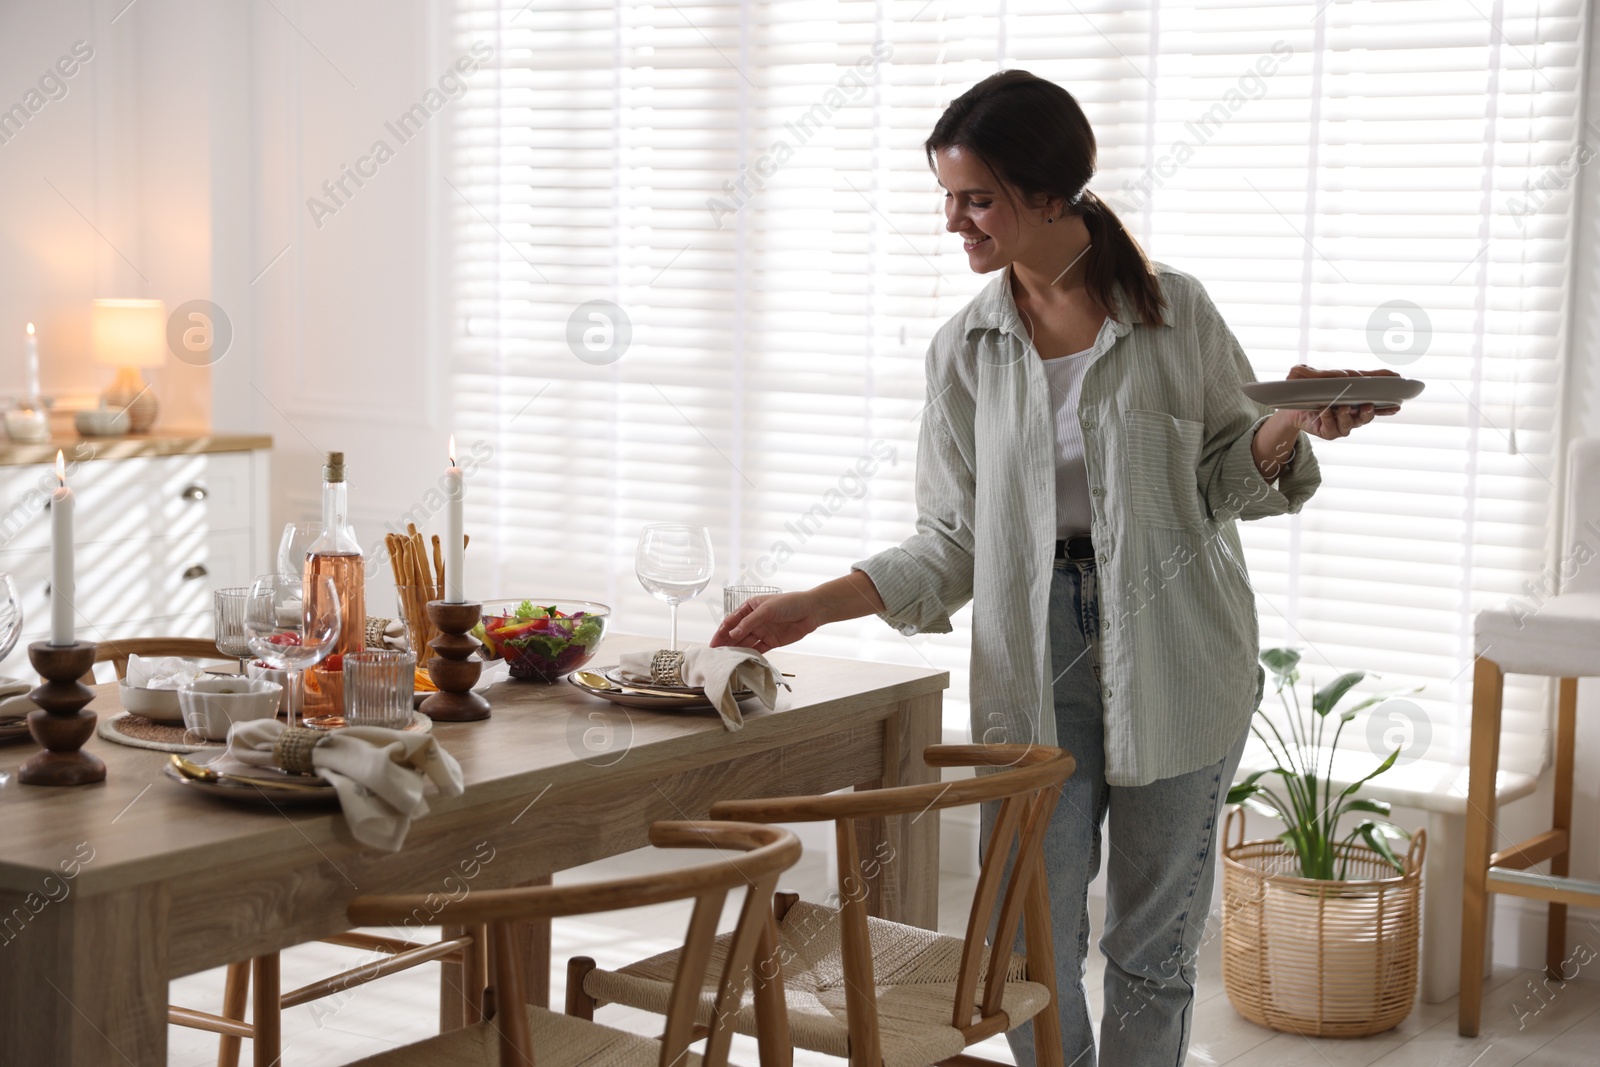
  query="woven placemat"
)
[{"x": 136, "y": 731}]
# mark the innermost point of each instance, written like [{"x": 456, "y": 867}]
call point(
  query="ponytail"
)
[
  {"x": 1035, "y": 137},
  {"x": 1115, "y": 261}
]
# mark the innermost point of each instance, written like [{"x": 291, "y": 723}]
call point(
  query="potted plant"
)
[{"x": 1320, "y": 925}]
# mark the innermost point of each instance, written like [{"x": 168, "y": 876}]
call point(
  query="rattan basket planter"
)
[{"x": 1319, "y": 958}]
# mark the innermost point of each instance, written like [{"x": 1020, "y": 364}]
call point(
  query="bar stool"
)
[{"x": 1558, "y": 638}]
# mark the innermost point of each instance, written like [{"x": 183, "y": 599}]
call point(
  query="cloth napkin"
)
[
  {"x": 379, "y": 774},
  {"x": 160, "y": 672},
  {"x": 720, "y": 670},
  {"x": 14, "y": 700},
  {"x": 387, "y": 634}
]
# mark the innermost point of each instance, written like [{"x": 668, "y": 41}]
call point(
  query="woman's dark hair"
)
[{"x": 1035, "y": 138}]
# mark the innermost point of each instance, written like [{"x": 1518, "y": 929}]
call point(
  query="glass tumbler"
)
[
  {"x": 378, "y": 688},
  {"x": 734, "y": 596}
]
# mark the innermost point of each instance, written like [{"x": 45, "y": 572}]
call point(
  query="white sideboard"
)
[{"x": 159, "y": 522}]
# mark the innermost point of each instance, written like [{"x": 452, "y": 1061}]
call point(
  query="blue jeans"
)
[{"x": 1161, "y": 863}]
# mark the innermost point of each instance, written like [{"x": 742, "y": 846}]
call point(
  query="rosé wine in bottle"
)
[{"x": 336, "y": 554}]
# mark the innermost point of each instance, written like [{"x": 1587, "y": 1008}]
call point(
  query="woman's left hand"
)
[{"x": 1335, "y": 421}]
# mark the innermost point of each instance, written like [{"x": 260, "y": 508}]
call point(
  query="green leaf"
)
[
  {"x": 1376, "y": 807},
  {"x": 1281, "y": 662},
  {"x": 1247, "y": 788},
  {"x": 1379, "y": 843},
  {"x": 1324, "y": 699},
  {"x": 1255, "y": 804}
]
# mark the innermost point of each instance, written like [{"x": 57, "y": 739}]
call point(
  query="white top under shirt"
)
[{"x": 1065, "y": 375}]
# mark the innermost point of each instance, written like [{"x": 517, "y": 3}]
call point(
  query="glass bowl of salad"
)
[{"x": 541, "y": 640}]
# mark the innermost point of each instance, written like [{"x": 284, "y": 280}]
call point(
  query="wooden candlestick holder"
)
[
  {"x": 452, "y": 669},
  {"x": 60, "y": 724}
]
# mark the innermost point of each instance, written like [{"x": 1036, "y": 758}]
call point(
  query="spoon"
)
[
  {"x": 597, "y": 681},
  {"x": 206, "y": 774}
]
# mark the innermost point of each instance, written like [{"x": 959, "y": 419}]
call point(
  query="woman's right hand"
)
[{"x": 767, "y": 622}]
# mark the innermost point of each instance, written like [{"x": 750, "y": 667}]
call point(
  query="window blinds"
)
[{"x": 743, "y": 180}]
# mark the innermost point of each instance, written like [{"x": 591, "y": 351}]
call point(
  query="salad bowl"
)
[{"x": 541, "y": 640}]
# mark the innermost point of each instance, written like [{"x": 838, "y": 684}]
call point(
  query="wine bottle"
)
[{"x": 336, "y": 554}]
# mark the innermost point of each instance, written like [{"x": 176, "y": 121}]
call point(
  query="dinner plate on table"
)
[
  {"x": 14, "y": 730},
  {"x": 648, "y": 696},
  {"x": 1382, "y": 391},
  {"x": 266, "y": 787}
]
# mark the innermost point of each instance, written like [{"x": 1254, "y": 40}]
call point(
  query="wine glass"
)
[
  {"x": 10, "y": 627},
  {"x": 10, "y": 615},
  {"x": 229, "y": 607},
  {"x": 292, "y": 625},
  {"x": 294, "y": 546},
  {"x": 674, "y": 562}
]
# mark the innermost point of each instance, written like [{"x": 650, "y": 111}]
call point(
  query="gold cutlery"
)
[
  {"x": 205, "y": 774},
  {"x": 597, "y": 681}
]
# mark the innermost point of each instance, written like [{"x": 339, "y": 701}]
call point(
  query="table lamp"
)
[{"x": 128, "y": 335}]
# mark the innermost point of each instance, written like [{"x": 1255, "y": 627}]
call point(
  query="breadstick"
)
[
  {"x": 421, "y": 559},
  {"x": 438, "y": 560}
]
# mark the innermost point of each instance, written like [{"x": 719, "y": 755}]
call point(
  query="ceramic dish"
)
[
  {"x": 615, "y": 677},
  {"x": 1314, "y": 394},
  {"x": 265, "y": 793},
  {"x": 14, "y": 730},
  {"x": 157, "y": 705},
  {"x": 644, "y": 701}
]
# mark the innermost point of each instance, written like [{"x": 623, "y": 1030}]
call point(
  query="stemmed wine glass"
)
[
  {"x": 10, "y": 627},
  {"x": 10, "y": 615},
  {"x": 229, "y": 607},
  {"x": 292, "y": 625},
  {"x": 293, "y": 547},
  {"x": 674, "y": 562}
]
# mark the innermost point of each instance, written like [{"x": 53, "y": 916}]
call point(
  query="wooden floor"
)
[{"x": 1523, "y": 1022}]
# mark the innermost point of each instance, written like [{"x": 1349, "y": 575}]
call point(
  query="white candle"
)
[
  {"x": 454, "y": 547},
  {"x": 62, "y": 585},
  {"x": 33, "y": 369}
]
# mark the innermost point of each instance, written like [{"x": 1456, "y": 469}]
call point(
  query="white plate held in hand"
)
[{"x": 1314, "y": 394}]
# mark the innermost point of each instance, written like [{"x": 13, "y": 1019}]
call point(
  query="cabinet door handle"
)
[
  {"x": 195, "y": 493},
  {"x": 196, "y": 571}
]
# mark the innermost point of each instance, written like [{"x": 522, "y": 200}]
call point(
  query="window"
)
[{"x": 743, "y": 183}]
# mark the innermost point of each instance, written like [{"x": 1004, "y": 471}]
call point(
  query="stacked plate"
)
[
  {"x": 608, "y": 682},
  {"x": 1382, "y": 391}
]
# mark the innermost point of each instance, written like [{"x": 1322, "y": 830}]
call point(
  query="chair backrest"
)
[
  {"x": 1026, "y": 779},
  {"x": 117, "y": 650},
  {"x": 1579, "y": 571},
  {"x": 763, "y": 853}
]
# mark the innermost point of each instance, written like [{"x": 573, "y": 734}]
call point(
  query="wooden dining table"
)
[{"x": 109, "y": 891}]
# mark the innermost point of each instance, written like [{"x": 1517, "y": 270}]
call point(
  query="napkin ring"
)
[
  {"x": 292, "y": 750},
  {"x": 666, "y": 667}
]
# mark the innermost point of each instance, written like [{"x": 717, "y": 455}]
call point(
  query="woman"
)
[{"x": 1085, "y": 451}]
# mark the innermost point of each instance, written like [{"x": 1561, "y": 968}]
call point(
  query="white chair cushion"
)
[{"x": 1559, "y": 638}]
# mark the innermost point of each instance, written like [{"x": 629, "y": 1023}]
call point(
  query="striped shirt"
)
[{"x": 1166, "y": 444}]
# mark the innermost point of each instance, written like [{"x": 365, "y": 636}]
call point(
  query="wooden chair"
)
[
  {"x": 881, "y": 993},
  {"x": 1557, "y": 638},
  {"x": 265, "y": 1032},
  {"x": 524, "y": 1034},
  {"x": 116, "y": 652}
]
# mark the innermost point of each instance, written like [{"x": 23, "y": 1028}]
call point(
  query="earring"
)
[{"x": 1049, "y": 220}]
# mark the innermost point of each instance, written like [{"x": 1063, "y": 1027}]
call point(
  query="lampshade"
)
[{"x": 130, "y": 333}]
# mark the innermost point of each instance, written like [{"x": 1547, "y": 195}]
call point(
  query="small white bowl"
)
[
  {"x": 157, "y": 705},
  {"x": 211, "y": 705},
  {"x": 102, "y": 422}
]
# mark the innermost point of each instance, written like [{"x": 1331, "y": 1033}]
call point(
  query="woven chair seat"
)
[
  {"x": 915, "y": 972},
  {"x": 558, "y": 1041}
]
